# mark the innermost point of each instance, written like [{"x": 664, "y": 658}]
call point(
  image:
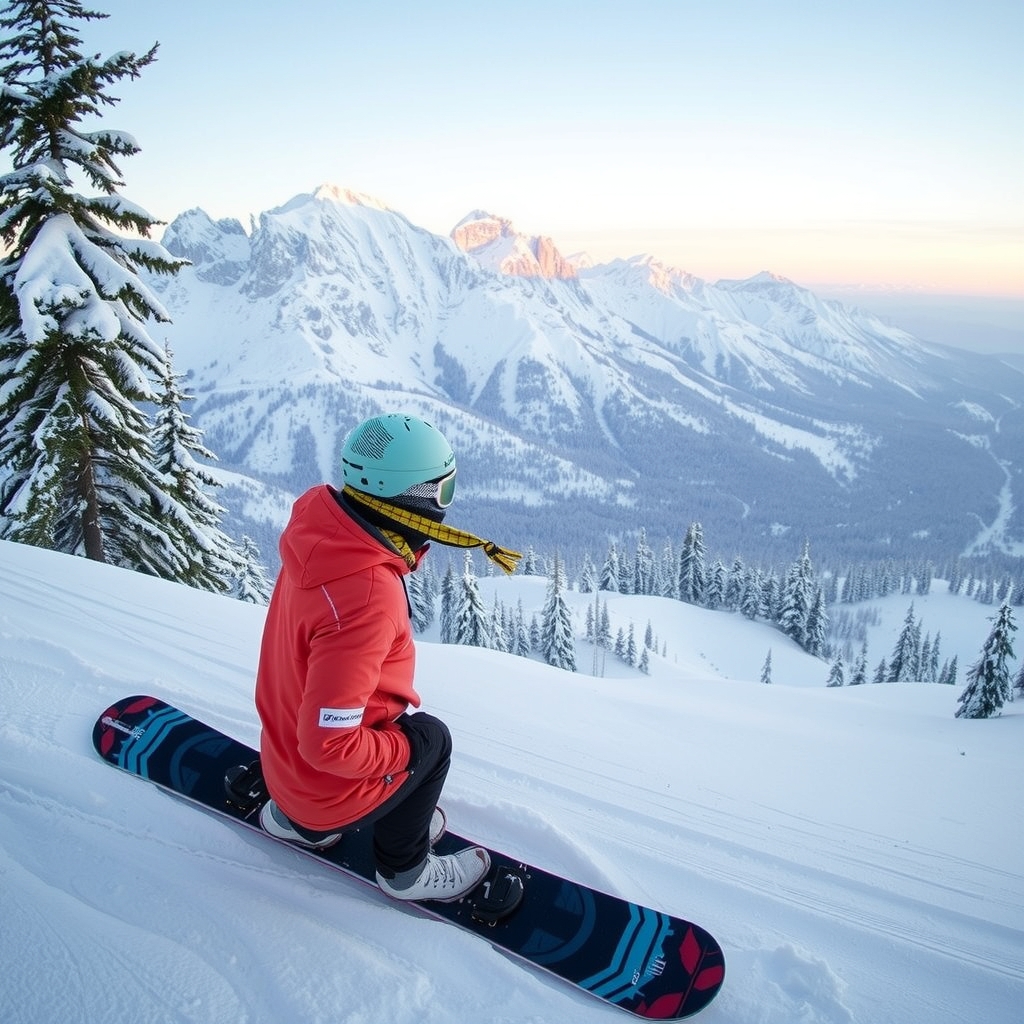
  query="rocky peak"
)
[
  {"x": 219, "y": 250},
  {"x": 495, "y": 243}
]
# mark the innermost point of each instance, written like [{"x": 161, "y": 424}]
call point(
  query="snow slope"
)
[{"x": 857, "y": 851}]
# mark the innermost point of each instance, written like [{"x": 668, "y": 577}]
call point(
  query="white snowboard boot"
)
[
  {"x": 446, "y": 879},
  {"x": 274, "y": 821}
]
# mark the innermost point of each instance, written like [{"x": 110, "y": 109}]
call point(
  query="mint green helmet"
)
[{"x": 387, "y": 455}]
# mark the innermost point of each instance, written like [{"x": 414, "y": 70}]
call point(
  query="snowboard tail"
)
[{"x": 646, "y": 962}]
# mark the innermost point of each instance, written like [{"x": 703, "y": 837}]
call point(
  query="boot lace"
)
[{"x": 445, "y": 873}]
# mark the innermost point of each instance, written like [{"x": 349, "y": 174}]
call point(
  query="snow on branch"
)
[{"x": 64, "y": 271}]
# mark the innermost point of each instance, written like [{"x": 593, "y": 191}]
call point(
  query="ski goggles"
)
[{"x": 444, "y": 490}]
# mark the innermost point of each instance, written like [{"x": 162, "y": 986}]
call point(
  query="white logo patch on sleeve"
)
[{"x": 341, "y": 718}]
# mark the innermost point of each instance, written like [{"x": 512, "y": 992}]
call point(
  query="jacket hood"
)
[{"x": 322, "y": 542}]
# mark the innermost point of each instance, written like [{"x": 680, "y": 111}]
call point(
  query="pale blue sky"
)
[{"x": 877, "y": 143}]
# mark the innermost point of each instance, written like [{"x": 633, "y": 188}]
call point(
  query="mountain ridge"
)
[{"x": 583, "y": 407}]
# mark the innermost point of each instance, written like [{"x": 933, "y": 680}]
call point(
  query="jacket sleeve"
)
[{"x": 344, "y": 722}]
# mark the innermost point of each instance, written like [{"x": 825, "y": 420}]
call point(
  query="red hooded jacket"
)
[{"x": 336, "y": 668}]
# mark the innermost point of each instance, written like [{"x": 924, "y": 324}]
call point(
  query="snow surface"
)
[{"x": 857, "y": 851}]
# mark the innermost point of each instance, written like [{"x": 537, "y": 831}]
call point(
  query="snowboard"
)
[{"x": 646, "y": 962}]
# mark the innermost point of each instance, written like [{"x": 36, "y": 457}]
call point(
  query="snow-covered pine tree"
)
[
  {"x": 251, "y": 583},
  {"x": 643, "y": 566},
  {"x": 751, "y": 596},
  {"x": 887, "y": 579},
  {"x": 535, "y": 633},
  {"x": 881, "y": 672},
  {"x": 472, "y": 623},
  {"x": 449, "y": 604},
  {"x": 499, "y": 635},
  {"x": 557, "y": 643},
  {"x": 645, "y": 662},
  {"x": 906, "y": 655},
  {"x": 925, "y": 659},
  {"x": 631, "y": 654},
  {"x": 848, "y": 594},
  {"x": 603, "y": 628},
  {"x": 932, "y": 668},
  {"x": 766, "y": 668},
  {"x": 594, "y": 618},
  {"x": 769, "y": 588},
  {"x": 797, "y": 598},
  {"x": 668, "y": 578},
  {"x": 625, "y": 575},
  {"x": 521, "y": 637},
  {"x": 956, "y": 577},
  {"x": 817, "y": 624},
  {"x": 431, "y": 586},
  {"x": 609, "y": 579},
  {"x": 878, "y": 580},
  {"x": 925, "y": 575},
  {"x": 771, "y": 597},
  {"x": 714, "y": 592},
  {"x": 528, "y": 566},
  {"x": 988, "y": 680},
  {"x": 734, "y": 585},
  {"x": 859, "y": 675},
  {"x": 76, "y": 361},
  {"x": 947, "y": 676},
  {"x": 421, "y": 602},
  {"x": 837, "y": 675},
  {"x": 210, "y": 559},
  {"x": 588, "y": 576},
  {"x": 619, "y": 646},
  {"x": 1018, "y": 683},
  {"x": 866, "y": 583},
  {"x": 693, "y": 566},
  {"x": 906, "y": 582}
]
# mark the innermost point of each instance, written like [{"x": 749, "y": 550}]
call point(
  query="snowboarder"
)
[{"x": 339, "y": 748}]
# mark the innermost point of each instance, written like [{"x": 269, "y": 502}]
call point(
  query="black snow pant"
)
[{"x": 401, "y": 825}]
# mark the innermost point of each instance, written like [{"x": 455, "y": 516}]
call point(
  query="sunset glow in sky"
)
[{"x": 872, "y": 143}]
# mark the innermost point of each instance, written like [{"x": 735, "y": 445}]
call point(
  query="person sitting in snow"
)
[{"x": 339, "y": 748}]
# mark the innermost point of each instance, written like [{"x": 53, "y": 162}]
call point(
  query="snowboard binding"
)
[
  {"x": 245, "y": 787},
  {"x": 500, "y": 895}
]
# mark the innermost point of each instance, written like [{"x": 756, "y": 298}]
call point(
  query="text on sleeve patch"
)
[{"x": 340, "y": 718}]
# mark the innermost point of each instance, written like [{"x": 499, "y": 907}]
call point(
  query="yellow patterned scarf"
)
[{"x": 502, "y": 557}]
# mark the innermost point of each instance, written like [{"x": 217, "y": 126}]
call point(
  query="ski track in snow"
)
[{"x": 147, "y": 910}]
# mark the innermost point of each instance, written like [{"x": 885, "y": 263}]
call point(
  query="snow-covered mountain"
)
[{"x": 587, "y": 401}]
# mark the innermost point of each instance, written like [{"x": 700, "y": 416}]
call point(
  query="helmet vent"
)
[{"x": 373, "y": 440}]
